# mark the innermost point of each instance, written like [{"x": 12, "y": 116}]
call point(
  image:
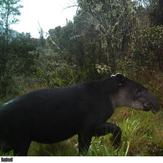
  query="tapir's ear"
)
[{"x": 120, "y": 79}]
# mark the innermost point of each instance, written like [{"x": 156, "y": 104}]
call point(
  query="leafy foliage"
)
[{"x": 147, "y": 47}]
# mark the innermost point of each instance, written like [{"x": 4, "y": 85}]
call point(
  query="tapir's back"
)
[{"x": 45, "y": 115}]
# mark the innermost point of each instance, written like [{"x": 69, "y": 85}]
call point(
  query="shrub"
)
[{"x": 147, "y": 47}]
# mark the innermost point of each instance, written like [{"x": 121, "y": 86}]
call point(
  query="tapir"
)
[{"x": 53, "y": 115}]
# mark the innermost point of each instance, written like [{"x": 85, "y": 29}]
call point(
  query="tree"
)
[
  {"x": 115, "y": 21},
  {"x": 78, "y": 43},
  {"x": 157, "y": 13},
  {"x": 9, "y": 10}
]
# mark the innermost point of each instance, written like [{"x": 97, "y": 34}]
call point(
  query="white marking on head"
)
[
  {"x": 9, "y": 102},
  {"x": 113, "y": 75}
]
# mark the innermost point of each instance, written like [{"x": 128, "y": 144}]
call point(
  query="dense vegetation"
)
[{"x": 105, "y": 37}]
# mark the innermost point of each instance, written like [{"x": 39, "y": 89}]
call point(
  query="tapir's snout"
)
[
  {"x": 154, "y": 105},
  {"x": 151, "y": 103}
]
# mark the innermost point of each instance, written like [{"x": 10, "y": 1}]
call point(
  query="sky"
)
[{"x": 46, "y": 14}]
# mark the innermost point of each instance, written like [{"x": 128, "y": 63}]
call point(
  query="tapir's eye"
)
[{"x": 120, "y": 80}]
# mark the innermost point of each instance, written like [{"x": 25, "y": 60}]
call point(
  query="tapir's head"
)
[{"x": 132, "y": 94}]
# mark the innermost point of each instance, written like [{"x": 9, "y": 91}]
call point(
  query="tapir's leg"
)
[
  {"x": 21, "y": 148},
  {"x": 5, "y": 147},
  {"x": 84, "y": 141},
  {"x": 106, "y": 128}
]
